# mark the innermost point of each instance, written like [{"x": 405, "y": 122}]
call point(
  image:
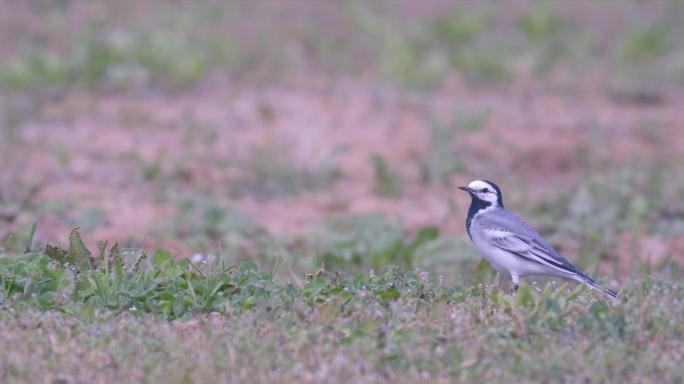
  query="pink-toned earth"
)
[{"x": 126, "y": 155}]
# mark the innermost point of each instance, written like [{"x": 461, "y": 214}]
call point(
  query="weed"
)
[
  {"x": 387, "y": 180},
  {"x": 545, "y": 29},
  {"x": 443, "y": 159},
  {"x": 481, "y": 66},
  {"x": 457, "y": 29},
  {"x": 270, "y": 173},
  {"x": 204, "y": 222},
  {"x": 646, "y": 44}
]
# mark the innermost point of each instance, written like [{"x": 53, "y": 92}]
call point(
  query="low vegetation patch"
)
[{"x": 73, "y": 315}]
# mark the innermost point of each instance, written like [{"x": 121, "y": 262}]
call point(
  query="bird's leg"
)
[
  {"x": 501, "y": 281},
  {"x": 516, "y": 281}
]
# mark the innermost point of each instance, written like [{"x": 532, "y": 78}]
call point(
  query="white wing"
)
[{"x": 529, "y": 248}]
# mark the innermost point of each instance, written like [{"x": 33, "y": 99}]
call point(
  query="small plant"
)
[
  {"x": 270, "y": 173},
  {"x": 546, "y": 30},
  {"x": 387, "y": 180},
  {"x": 646, "y": 44},
  {"x": 457, "y": 29},
  {"x": 443, "y": 159}
]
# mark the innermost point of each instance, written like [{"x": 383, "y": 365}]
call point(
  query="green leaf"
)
[
  {"x": 162, "y": 256},
  {"x": 483, "y": 273},
  {"x": 248, "y": 267},
  {"x": 388, "y": 294},
  {"x": 424, "y": 235},
  {"x": 575, "y": 293},
  {"x": 525, "y": 296},
  {"x": 387, "y": 180},
  {"x": 79, "y": 253},
  {"x": 85, "y": 288}
]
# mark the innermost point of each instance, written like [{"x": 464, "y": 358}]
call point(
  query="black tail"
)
[{"x": 592, "y": 284}]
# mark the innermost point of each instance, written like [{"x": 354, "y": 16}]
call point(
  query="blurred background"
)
[{"x": 301, "y": 132}]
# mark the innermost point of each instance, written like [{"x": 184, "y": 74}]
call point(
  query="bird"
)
[{"x": 512, "y": 246}]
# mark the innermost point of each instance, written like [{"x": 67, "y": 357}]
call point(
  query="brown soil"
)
[{"x": 541, "y": 137}]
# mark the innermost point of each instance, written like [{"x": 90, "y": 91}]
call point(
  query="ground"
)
[{"x": 311, "y": 137}]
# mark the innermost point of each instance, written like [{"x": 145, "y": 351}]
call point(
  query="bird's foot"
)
[{"x": 515, "y": 279}]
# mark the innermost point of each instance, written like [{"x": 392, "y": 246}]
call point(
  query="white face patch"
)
[
  {"x": 479, "y": 184},
  {"x": 484, "y": 191}
]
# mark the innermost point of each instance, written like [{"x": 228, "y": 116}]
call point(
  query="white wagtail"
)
[{"x": 512, "y": 246}]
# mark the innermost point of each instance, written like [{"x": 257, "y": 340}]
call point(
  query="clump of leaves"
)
[
  {"x": 77, "y": 258},
  {"x": 127, "y": 280}
]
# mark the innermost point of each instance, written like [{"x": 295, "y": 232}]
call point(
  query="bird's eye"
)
[{"x": 485, "y": 190}]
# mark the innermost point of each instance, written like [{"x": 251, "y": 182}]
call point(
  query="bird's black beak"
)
[{"x": 469, "y": 190}]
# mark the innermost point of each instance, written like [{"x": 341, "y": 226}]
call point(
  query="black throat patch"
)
[{"x": 476, "y": 205}]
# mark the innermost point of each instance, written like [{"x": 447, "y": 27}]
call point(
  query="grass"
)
[
  {"x": 75, "y": 315},
  {"x": 355, "y": 299}
]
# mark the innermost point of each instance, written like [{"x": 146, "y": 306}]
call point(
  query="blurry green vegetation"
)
[
  {"x": 461, "y": 38},
  {"x": 345, "y": 244},
  {"x": 269, "y": 173},
  {"x": 206, "y": 223},
  {"x": 646, "y": 45},
  {"x": 90, "y": 218},
  {"x": 428, "y": 53},
  {"x": 648, "y": 60},
  {"x": 179, "y": 47},
  {"x": 547, "y": 32},
  {"x": 118, "y": 59},
  {"x": 443, "y": 158},
  {"x": 388, "y": 181},
  {"x": 357, "y": 243},
  {"x": 596, "y": 215}
]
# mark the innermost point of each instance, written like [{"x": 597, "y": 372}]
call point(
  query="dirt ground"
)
[{"x": 540, "y": 137}]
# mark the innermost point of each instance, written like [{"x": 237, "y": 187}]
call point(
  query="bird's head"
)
[{"x": 485, "y": 191}]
